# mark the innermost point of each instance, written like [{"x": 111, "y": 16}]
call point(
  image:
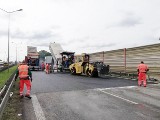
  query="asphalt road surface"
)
[{"x": 66, "y": 97}]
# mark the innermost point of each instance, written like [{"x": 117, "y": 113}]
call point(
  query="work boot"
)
[
  {"x": 28, "y": 96},
  {"x": 21, "y": 96}
]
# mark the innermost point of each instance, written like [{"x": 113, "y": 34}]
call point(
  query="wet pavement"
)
[{"x": 66, "y": 97}]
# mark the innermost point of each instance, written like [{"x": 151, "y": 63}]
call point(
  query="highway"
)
[{"x": 60, "y": 96}]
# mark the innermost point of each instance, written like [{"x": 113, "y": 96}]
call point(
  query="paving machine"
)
[
  {"x": 101, "y": 68},
  {"x": 66, "y": 61},
  {"x": 82, "y": 66}
]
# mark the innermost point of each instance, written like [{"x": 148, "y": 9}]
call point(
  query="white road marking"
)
[
  {"x": 116, "y": 88},
  {"x": 129, "y": 101},
  {"x": 37, "y": 108}
]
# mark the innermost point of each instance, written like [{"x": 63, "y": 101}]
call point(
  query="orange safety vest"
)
[
  {"x": 47, "y": 67},
  {"x": 23, "y": 71},
  {"x": 142, "y": 68}
]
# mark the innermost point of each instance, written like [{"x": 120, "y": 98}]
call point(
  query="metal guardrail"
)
[
  {"x": 2, "y": 91},
  {"x": 5, "y": 93},
  {"x": 5, "y": 68}
]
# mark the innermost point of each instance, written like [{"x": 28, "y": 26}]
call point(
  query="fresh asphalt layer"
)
[
  {"x": 60, "y": 96},
  {"x": 66, "y": 82}
]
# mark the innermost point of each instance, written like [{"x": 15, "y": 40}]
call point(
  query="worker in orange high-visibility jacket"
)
[
  {"x": 142, "y": 70},
  {"x": 25, "y": 77},
  {"x": 47, "y": 68}
]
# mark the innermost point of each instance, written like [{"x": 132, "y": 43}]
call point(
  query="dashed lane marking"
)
[{"x": 37, "y": 108}]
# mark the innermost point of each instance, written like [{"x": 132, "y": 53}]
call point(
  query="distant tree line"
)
[{"x": 44, "y": 53}]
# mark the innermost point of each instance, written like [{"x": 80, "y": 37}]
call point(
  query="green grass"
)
[
  {"x": 4, "y": 76},
  {"x": 14, "y": 105}
]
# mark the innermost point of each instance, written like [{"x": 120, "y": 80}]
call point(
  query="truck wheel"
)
[
  {"x": 73, "y": 71},
  {"x": 95, "y": 74},
  {"x": 99, "y": 74}
]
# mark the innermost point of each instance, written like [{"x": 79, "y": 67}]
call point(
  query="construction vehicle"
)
[
  {"x": 62, "y": 59},
  {"x": 56, "y": 49},
  {"x": 82, "y": 66},
  {"x": 67, "y": 60},
  {"x": 32, "y": 58},
  {"x": 50, "y": 62},
  {"x": 101, "y": 68}
]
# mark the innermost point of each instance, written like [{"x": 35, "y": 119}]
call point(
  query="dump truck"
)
[
  {"x": 56, "y": 49},
  {"x": 62, "y": 59},
  {"x": 32, "y": 58}
]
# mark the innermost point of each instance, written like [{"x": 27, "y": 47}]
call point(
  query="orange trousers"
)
[
  {"x": 28, "y": 85},
  {"x": 47, "y": 70},
  {"x": 142, "y": 78}
]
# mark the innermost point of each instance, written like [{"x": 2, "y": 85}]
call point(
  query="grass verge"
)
[
  {"x": 13, "y": 110},
  {"x": 4, "y": 75}
]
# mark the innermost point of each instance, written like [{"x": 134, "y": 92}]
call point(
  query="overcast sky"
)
[{"x": 81, "y": 26}]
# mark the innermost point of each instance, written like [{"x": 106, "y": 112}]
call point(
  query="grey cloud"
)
[
  {"x": 35, "y": 35},
  {"x": 79, "y": 40},
  {"x": 46, "y": 44},
  {"x": 129, "y": 22},
  {"x": 100, "y": 45},
  {"x": 41, "y": 35},
  {"x": 75, "y": 40}
]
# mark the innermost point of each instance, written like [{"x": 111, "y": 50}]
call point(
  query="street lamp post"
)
[
  {"x": 16, "y": 51},
  {"x": 9, "y": 28}
]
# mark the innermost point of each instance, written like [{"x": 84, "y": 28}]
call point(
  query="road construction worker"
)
[
  {"x": 42, "y": 66},
  {"x": 47, "y": 68},
  {"x": 86, "y": 58},
  {"x": 50, "y": 69},
  {"x": 25, "y": 77},
  {"x": 142, "y": 70}
]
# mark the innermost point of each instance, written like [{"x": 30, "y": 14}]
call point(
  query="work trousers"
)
[
  {"x": 28, "y": 85},
  {"x": 47, "y": 70},
  {"x": 142, "y": 78}
]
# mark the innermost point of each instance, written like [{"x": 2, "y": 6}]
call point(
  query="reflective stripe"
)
[
  {"x": 23, "y": 76},
  {"x": 23, "y": 70},
  {"x": 28, "y": 92}
]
